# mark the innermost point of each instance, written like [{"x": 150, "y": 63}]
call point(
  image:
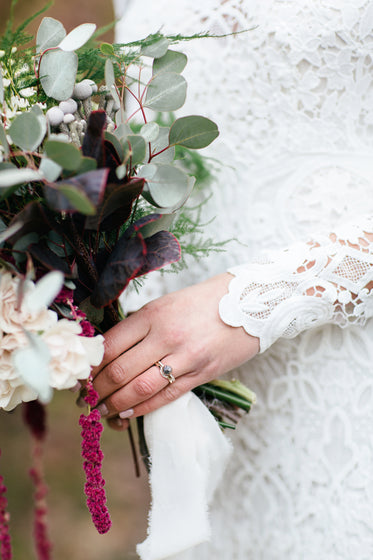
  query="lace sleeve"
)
[{"x": 327, "y": 280}]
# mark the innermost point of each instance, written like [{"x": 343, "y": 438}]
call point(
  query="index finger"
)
[{"x": 122, "y": 337}]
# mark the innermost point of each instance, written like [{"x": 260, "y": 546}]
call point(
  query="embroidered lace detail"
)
[
  {"x": 293, "y": 98},
  {"x": 325, "y": 281}
]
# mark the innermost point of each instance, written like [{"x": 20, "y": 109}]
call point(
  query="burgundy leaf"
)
[
  {"x": 41, "y": 252},
  {"x": 117, "y": 206},
  {"x": 111, "y": 159},
  {"x": 161, "y": 248},
  {"x": 123, "y": 264},
  {"x": 92, "y": 184},
  {"x": 34, "y": 218},
  {"x": 93, "y": 141}
]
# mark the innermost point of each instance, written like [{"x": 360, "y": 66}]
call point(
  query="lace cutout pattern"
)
[
  {"x": 327, "y": 280},
  {"x": 293, "y": 98}
]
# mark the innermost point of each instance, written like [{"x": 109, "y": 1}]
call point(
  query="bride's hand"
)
[{"x": 183, "y": 330}]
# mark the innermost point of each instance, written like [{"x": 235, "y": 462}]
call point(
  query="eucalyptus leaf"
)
[
  {"x": 10, "y": 177},
  {"x": 86, "y": 164},
  {"x": 10, "y": 230},
  {"x": 121, "y": 171},
  {"x": 109, "y": 73},
  {"x": 166, "y": 92},
  {"x": 26, "y": 131},
  {"x": 77, "y": 37},
  {"x": 167, "y": 187},
  {"x": 150, "y": 131},
  {"x": 3, "y": 140},
  {"x": 23, "y": 242},
  {"x": 147, "y": 171},
  {"x": 77, "y": 198},
  {"x": 58, "y": 73},
  {"x": 156, "y": 49},
  {"x": 45, "y": 291},
  {"x": 50, "y": 169},
  {"x": 161, "y": 142},
  {"x": 114, "y": 93},
  {"x": 67, "y": 156},
  {"x": 31, "y": 363},
  {"x": 162, "y": 224},
  {"x": 38, "y": 112},
  {"x": 7, "y": 165},
  {"x": 50, "y": 34},
  {"x": 193, "y": 132},
  {"x": 120, "y": 116},
  {"x": 138, "y": 148},
  {"x": 58, "y": 244},
  {"x": 181, "y": 201},
  {"x": 110, "y": 80},
  {"x": 122, "y": 131},
  {"x": 172, "y": 61}
]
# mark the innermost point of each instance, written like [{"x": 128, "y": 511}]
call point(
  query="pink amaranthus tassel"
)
[
  {"x": 93, "y": 456},
  {"x": 5, "y": 544},
  {"x": 34, "y": 417}
]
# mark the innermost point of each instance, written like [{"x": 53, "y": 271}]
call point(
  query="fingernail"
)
[
  {"x": 119, "y": 422},
  {"x": 76, "y": 387},
  {"x": 126, "y": 413},
  {"x": 81, "y": 402},
  {"x": 103, "y": 409}
]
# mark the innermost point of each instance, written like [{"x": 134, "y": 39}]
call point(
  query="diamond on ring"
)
[{"x": 165, "y": 371}]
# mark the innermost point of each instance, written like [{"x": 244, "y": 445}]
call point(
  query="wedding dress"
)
[{"x": 293, "y": 98}]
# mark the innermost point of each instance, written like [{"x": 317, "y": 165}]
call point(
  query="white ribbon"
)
[{"x": 189, "y": 453}]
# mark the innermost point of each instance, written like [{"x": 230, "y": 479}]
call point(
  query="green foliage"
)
[{"x": 18, "y": 37}]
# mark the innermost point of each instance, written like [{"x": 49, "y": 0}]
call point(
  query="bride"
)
[{"x": 293, "y": 98}]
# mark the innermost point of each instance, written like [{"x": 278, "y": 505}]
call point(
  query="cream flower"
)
[
  {"x": 13, "y": 391},
  {"x": 72, "y": 356},
  {"x": 13, "y": 318}
]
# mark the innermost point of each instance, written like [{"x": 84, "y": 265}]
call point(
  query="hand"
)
[{"x": 182, "y": 329}]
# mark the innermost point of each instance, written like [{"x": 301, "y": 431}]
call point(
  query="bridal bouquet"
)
[{"x": 88, "y": 195}]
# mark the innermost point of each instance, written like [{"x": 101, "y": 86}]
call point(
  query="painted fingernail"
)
[
  {"x": 126, "y": 413},
  {"x": 103, "y": 409}
]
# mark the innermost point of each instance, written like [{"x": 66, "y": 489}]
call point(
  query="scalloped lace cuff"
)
[{"x": 327, "y": 280}]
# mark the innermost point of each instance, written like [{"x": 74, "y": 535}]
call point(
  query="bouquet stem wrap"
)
[{"x": 188, "y": 456}]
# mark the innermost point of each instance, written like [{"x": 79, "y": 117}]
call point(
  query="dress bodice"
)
[{"x": 293, "y": 98}]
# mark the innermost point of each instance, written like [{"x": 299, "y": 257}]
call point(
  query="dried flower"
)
[
  {"x": 42, "y": 543},
  {"x": 5, "y": 544}
]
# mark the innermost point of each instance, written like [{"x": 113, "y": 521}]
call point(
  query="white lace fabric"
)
[
  {"x": 328, "y": 280},
  {"x": 293, "y": 98}
]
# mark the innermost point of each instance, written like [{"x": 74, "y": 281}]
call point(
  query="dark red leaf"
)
[
  {"x": 92, "y": 184},
  {"x": 117, "y": 205},
  {"x": 34, "y": 218},
  {"x": 94, "y": 137},
  {"x": 41, "y": 252},
  {"x": 126, "y": 259},
  {"x": 161, "y": 248},
  {"x": 133, "y": 256}
]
